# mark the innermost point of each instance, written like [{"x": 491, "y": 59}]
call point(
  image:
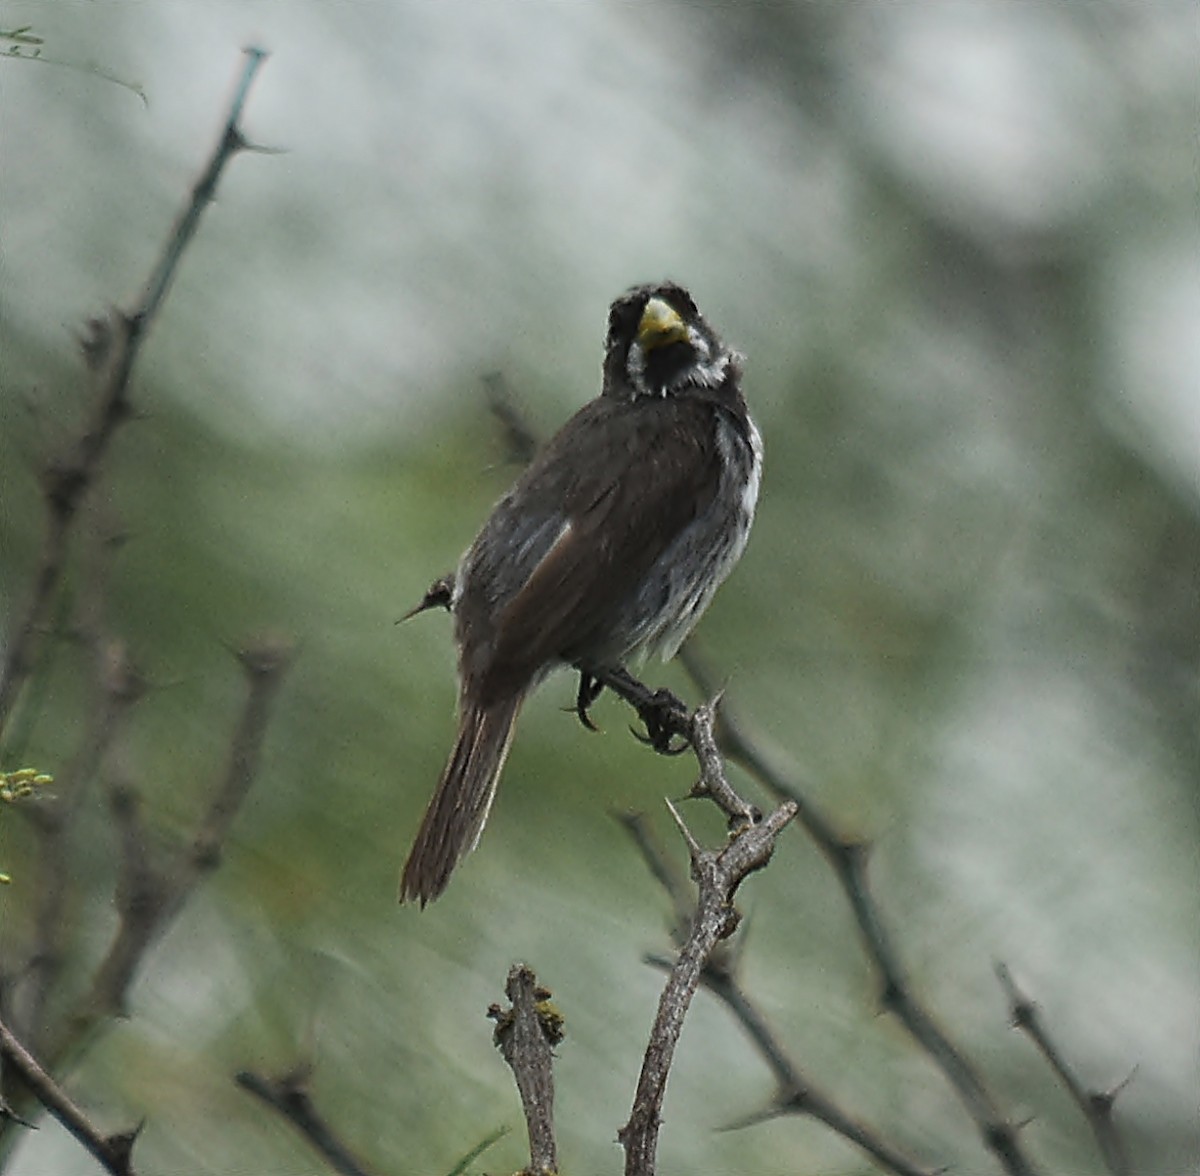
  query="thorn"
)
[
  {"x": 776, "y": 1110},
  {"x": 261, "y": 148},
  {"x": 694, "y": 848},
  {"x": 439, "y": 594},
  {"x": 1105, "y": 1099},
  {"x": 6, "y": 1112}
]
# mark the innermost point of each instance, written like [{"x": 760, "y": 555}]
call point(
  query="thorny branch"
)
[
  {"x": 114, "y": 1152},
  {"x": 117, "y": 690},
  {"x": 796, "y": 1093},
  {"x": 111, "y": 348},
  {"x": 718, "y": 876},
  {"x": 1095, "y": 1105},
  {"x": 150, "y": 892},
  {"x": 289, "y": 1096},
  {"x": 849, "y": 859}
]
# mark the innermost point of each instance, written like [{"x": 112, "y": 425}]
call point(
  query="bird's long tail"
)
[{"x": 459, "y": 809}]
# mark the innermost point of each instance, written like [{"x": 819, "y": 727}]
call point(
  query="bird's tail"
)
[{"x": 458, "y": 811}]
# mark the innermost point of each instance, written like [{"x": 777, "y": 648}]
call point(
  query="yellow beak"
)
[{"x": 660, "y": 325}]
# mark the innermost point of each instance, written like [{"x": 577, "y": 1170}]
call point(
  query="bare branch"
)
[
  {"x": 849, "y": 861},
  {"x": 713, "y": 783},
  {"x": 796, "y": 1093},
  {"x": 111, "y": 348},
  {"x": 204, "y": 191},
  {"x": 526, "y": 1033},
  {"x": 149, "y": 892},
  {"x": 114, "y": 1152},
  {"x": 288, "y": 1095},
  {"x": 264, "y": 661},
  {"x": 149, "y": 896},
  {"x": 1095, "y": 1105},
  {"x": 718, "y": 877},
  {"x": 522, "y": 441},
  {"x": 118, "y": 688}
]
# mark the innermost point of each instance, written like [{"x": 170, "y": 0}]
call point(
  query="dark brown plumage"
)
[{"x": 612, "y": 542}]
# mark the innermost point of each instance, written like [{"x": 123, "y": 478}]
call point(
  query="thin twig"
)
[
  {"x": 111, "y": 349},
  {"x": 289, "y": 1096},
  {"x": 849, "y": 860},
  {"x": 204, "y": 191},
  {"x": 526, "y": 1033},
  {"x": 113, "y": 1152},
  {"x": 1095, "y": 1105}
]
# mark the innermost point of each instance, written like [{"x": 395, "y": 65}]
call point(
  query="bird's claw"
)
[
  {"x": 589, "y": 691},
  {"x": 665, "y": 718}
]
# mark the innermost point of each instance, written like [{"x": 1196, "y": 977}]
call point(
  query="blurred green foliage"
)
[{"x": 958, "y": 246}]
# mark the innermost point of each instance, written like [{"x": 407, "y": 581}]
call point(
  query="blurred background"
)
[{"x": 957, "y": 242}]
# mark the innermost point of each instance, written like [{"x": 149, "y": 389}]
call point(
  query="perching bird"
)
[{"x": 611, "y": 544}]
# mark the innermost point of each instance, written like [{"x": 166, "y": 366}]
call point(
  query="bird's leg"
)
[{"x": 665, "y": 715}]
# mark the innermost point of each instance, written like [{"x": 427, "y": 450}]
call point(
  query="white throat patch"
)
[{"x": 705, "y": 371}]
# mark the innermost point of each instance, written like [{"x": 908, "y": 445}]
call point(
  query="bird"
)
[{"x": 609, "y": 547}]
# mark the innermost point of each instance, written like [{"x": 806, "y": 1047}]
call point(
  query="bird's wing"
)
[{"x": 614, "y": 488}]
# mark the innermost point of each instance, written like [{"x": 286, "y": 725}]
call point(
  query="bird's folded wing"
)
[{"x": 625, "y": 485}]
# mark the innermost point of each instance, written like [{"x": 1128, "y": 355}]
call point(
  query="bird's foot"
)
[{"x": 666, "y": 719}]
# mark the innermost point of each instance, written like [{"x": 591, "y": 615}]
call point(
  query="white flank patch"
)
[{"x": 750, "y": 491}]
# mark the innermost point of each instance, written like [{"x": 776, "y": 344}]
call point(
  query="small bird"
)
[{"x": 610, "y": 545}]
